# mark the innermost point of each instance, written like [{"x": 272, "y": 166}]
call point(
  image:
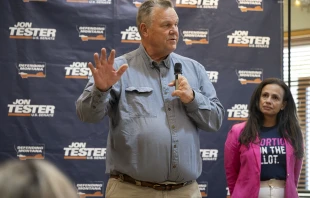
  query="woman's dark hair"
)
[{"x": 287, "y": 120}]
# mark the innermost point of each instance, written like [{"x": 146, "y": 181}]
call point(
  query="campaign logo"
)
[
  {"x": 24, "y": 30},
  {"x": 196, "y": 36},
  {"x": 131, "y": 35},
  {"x": 203, "y": 187},
  {"x": 90, "y": 189},
  {"x": 33, "y": 70},
  {"x": 238, "y": 112},
  {"x": 250, "y": 5},
  {"x": 207, "y": 4},
  {"x": 22, "y": 107},
  {"x": 241, "y": 38},
  {"x": 91, "y": 1},
  {"x": 30, "y": 152},
  {"x": 209, "y": 154},
  {"x": 78, "y": 70},
  {"x": 213, "y": 76},
  {"x": 254, "y": 76},
  {"x": 78, "y": 151},
  {"x": 137, "y": 3},
  {"x": 26, "y": 1},
  {"x": 94, "y": 32}
]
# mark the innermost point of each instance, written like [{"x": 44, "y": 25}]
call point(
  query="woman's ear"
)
[{"x": 283, "y": 105}]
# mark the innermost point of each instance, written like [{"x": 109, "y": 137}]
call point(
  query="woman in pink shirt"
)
[{"x": 263, "y": 156}]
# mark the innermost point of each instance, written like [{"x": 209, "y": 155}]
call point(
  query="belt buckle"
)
[
  {"x": 138, "y": 183},
  {"x": 271, "y": 183},
  {"x": 121, "y": 177},
  {"x": 155, "y": 185}
]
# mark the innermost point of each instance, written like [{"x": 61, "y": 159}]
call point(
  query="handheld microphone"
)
[{"x": 177, "y": 71}]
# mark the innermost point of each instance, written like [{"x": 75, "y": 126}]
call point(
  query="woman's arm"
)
[{"x": 232, "y": 158}]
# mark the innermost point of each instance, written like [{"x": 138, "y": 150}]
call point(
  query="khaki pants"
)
[{"x": 119, "y": 189}]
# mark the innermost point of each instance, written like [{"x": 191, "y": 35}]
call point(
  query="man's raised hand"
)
[{"x": 104, "y": 73}]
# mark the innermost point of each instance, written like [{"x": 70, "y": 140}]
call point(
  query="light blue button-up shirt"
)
[{"x": 153, "y": 136}]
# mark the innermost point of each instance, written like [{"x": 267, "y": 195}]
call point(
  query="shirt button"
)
[{"x": 175, "y": 146}]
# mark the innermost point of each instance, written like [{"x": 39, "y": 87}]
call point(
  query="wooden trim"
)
[
  {"x": 298, "y": 33},
  {"x": 298, "y": 37}
]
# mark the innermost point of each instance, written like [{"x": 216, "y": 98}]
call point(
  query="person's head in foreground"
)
[{"x": 34, "y": 179}]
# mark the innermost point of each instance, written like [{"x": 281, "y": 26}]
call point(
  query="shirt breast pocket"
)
[{"x": 140, "y": 101}]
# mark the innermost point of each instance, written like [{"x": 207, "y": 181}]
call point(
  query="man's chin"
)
[{"x": 172, "y": 48}]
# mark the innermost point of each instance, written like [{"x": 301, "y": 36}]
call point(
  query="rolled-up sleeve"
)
[
  {"x": 93, "y": 105},
  {"x": 205, "y": 110}
]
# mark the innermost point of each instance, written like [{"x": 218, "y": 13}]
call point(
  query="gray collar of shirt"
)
[{"x": 152, "y": 63}]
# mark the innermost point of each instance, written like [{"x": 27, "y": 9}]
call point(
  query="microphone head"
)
[{"x": 178, "y": 68}]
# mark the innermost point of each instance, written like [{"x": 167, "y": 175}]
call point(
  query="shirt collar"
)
[{"x": 147, "y": 59}]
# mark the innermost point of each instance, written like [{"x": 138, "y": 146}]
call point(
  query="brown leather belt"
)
[{"x": 155, "y": 186}]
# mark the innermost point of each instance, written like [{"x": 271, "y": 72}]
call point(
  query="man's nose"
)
[{"x": 173, "y": 30}]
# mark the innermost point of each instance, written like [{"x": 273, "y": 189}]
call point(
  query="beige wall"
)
[{"x": 300, "y": 17}]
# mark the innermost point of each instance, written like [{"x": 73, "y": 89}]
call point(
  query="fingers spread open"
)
[
  {"x": 122, "y": 69},
  {"x": 103, "y": 57},
  {"x": 96, "y": 59},
  {"x": 111, "y": 57},
  {"x": 91, "y": 67}
]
